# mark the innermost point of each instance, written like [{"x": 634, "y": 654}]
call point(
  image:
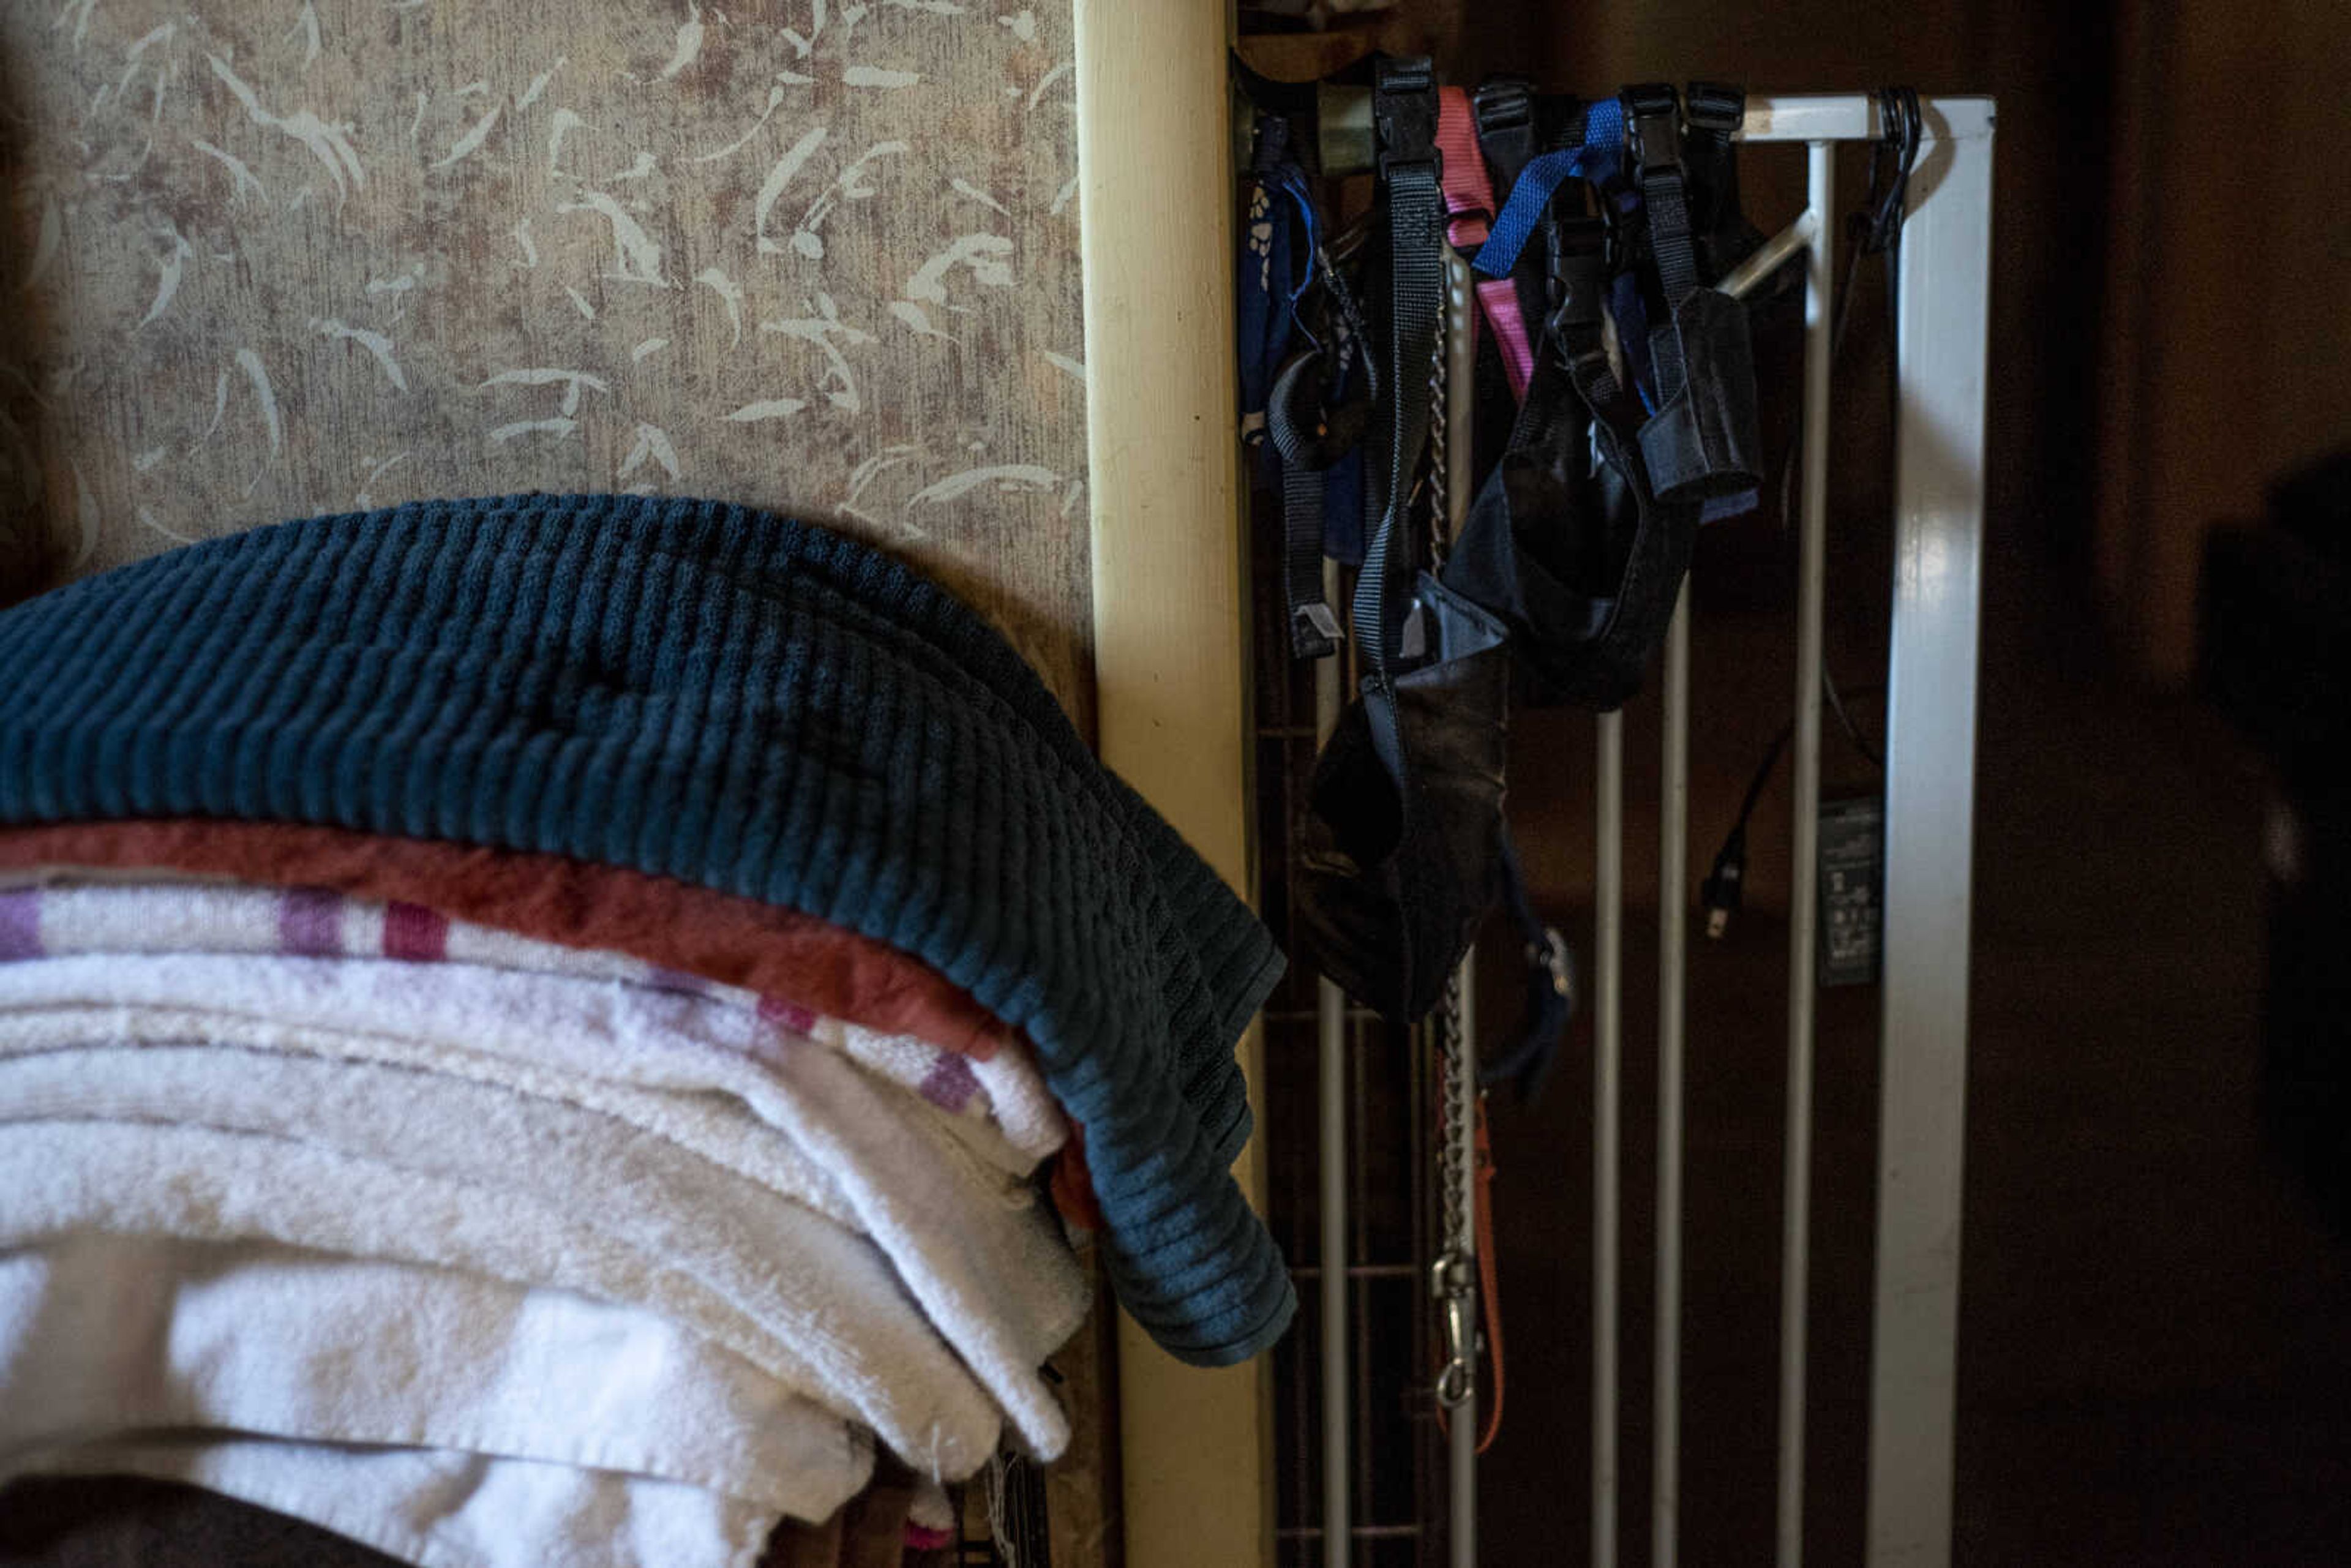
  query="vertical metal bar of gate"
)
[
  {"x": 1607, "y": 1074},
  {"x": 1460, "y": 381},
  {"x": 1796, "y": 1246},
  {"x": 1337, "y": 1279},
  {"x": 1673, "y": 870},
  {"x": 1930, "y": 735}
]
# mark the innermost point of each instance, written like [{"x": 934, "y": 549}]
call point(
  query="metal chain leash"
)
[
  {"x": 1453, "y": 1277},
  {"x": 1439, "y": 491}
]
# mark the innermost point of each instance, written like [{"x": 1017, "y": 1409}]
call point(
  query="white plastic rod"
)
[
  {"x": 1673, "y": 896},
  {"x": 1856, "y": 117},
  {"x": 1930, "y": 730},
  {"x": 1607, "y": 1073},
  {"x": 1795, "y": 1248},
  {"x": 1330, "y": 1033},
  {"x": 1769, "y": 257},
  {"x": 1460, "y": 487}
]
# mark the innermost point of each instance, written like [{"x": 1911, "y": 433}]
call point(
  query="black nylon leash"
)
[
  {"x": 1318, "y": 411},
  {"x": 1404, "y": 109},
  {"x": 1653, "y": 115}
]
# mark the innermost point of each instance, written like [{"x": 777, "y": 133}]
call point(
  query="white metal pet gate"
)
[{"x": 1930, "y": 719}]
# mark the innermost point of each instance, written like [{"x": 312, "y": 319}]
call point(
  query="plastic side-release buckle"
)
[
  {"x": 1403, "y": 102},
  {"x": 1713, "y": 106},
  {"x": 1502, "y": 103},
  {"x": 1576, "y": 274},
  {"x": 1654, "y": 127}
]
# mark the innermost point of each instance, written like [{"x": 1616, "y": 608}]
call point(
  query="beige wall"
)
[
  {"x": 823, "y": 257},
  {"x": 268, "y": 261}
]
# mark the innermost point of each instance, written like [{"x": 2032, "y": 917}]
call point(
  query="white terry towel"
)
[
  {"x": 856, "y": 1345},
  {"x": 105, "y": 1335},
  {"x": 717, "y": 1128},
  {"x": 71, "y": 913},
  {"x": 971, "y": 1245},
  {"x": 720, "y": 1130},
  {"x": 410, "y": 1115},
  {"x": 445, "y": 1510},
  {"x": 672, "y": 1207}
]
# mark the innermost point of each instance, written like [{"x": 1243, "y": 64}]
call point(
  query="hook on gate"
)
[{"x": 1454, "y": 1281}]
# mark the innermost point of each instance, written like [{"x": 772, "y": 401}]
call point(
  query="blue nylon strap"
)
[
  {"x": 1280, "y": 239},
  {"x": 1263, "y": 332},
  {"x": 1604, "y": 139},
  {"x": 1289, "y": 179},
  {"x": 1631, "y": 313}
]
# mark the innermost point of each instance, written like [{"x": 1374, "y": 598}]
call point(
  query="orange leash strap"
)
[{"x": 1490, "y": 1286}]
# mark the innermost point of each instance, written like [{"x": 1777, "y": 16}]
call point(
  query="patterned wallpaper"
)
[{"x": 270, "y": 257}]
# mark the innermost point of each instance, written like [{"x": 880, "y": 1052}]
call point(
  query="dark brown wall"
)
[{"x": 2228, "y": 333}]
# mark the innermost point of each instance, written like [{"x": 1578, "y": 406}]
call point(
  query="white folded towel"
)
[
  {"x": 855, "y": 1343},
  {"x": 970, "y": 1243},
  {"x": 444, "y": 1509},
  {"x": 719, "y": 1128},
  {"x": 104, "y": 1334},
  {"x": 671, "y": 1205},
  {"x": 64, "y": 912}
]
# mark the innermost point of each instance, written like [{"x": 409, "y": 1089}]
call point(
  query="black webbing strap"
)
[
  {"x": 1404, "y": 106},
  {"x": 1295, "y": 401},
  {"x": 1627, "y": 626},
  {"x": 1309, "y": 433},
  {"x": 1877, "y": 228},
  {"x": 1700, "y": 442},
  {"x": 1712, "y": 113},
  {"x": 1504, "y": 109},
  {"x": 1577, "y": 285},
  {"x": 1313, "y": 629},
  {"x": 1653, "y": 118},
  {"x": 1513, "y": 127}
]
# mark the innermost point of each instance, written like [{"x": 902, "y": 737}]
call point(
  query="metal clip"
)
[
  {"x": 1557, "y": 962},
  {"x": 1453, "y": 1282}
]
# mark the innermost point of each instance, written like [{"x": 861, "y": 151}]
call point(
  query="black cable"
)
[
  {"x": 1844, "y": 721},
  {"x": 1723, "y": 893},
  {"x": 1875, "y": 229}
]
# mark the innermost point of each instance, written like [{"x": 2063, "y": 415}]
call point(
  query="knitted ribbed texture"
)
[{"x": 702, "y": 692}]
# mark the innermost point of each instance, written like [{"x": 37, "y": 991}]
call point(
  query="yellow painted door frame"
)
[{"x": 1170, "y": 629}]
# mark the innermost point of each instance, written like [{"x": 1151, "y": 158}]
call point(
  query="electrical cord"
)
[
  {"x": 1723, "y": 893},
  {"x": 1875, "y": 229},
  {"x": 1845, "y": 722}
]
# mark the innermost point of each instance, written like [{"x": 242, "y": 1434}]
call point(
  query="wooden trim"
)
[{"x": 1170, "y": 624}]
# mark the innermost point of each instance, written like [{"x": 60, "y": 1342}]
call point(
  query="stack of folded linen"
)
[{"x": 529, "y": 1031}]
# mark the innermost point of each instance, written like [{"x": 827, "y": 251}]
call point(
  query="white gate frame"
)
[
  {"x": 1930, "y": 740},
  {"x": 1940, "y": 349}
]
